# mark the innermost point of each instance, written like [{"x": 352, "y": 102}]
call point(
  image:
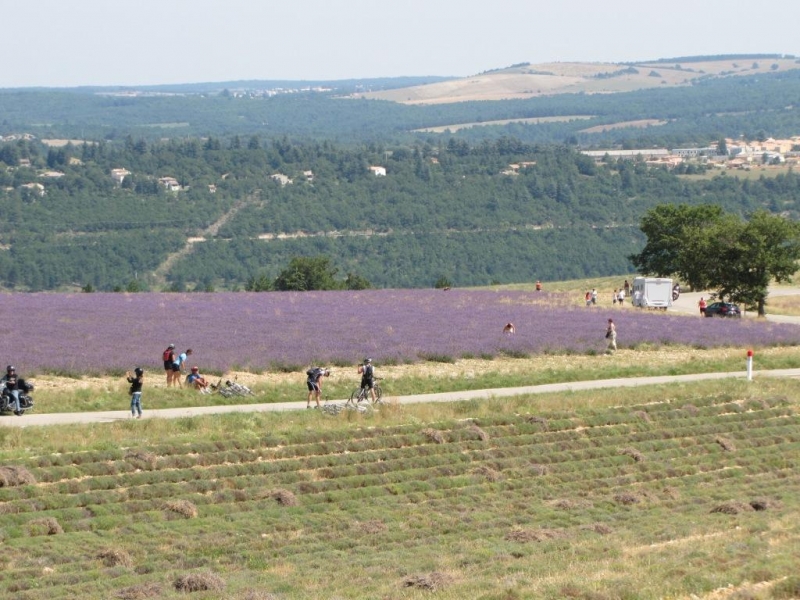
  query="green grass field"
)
[{"x": 660, "y": 492}]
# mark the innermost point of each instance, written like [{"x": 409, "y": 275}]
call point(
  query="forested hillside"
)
[
  {"x": 767, "y": 104},
  {"x": 449, "y": 210}
]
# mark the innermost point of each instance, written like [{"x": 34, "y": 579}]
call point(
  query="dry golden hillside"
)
[{"x": 544, "y": 79}]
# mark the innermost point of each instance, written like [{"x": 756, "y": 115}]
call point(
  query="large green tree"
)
[
  {"x": 709, "y": 249},
  {"x": 678, "y": 238},
  {"x": 306, "y": 273}
]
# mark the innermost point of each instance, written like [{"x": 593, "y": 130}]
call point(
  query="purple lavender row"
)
[{"x": 98, "y": 333}]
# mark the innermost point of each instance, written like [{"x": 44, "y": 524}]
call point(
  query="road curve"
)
[{"x": 34, "y": 419}]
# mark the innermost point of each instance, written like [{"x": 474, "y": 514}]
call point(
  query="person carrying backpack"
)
[
  {"x": 367, "y": 372},
  {"x": 169, "y": 356},
  {"x": 314, "y": 384}
]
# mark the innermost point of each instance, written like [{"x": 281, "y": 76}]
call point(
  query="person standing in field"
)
[
  {"x": 611, "y": 336},
  {"x": 169, "y": 357},
  {"x": 702, "y": 305},
  {"x": 621, "y": 297},
  {"x": 627, "y": 287},
  {"x": 179, "y": 366},
  {"x": 136, "y": 380},
  {"x": 614, "y": 297},
  {"x": 538, "y": 286},
  {"x": 594, "y": 296},
  {"x": 588, "y": 298}
]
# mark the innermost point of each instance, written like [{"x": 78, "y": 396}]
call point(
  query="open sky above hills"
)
[{"x": 141, "y": 42}]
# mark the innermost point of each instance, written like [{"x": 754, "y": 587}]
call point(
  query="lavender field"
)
[{"x": 99, "y": 333}]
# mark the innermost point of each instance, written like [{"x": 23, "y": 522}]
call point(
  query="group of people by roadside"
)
[{"x": 174, "y": 367}]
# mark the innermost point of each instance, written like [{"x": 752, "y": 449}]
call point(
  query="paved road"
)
[
  {"x": 687, "y": 303},
  {"x": 33, "y": 419}
]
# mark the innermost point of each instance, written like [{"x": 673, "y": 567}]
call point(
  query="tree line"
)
[{"x": 452, "y": 209}]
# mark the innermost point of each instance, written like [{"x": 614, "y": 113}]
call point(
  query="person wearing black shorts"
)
[
  {"x": 169, "y": 357},
  {"x": 314, "y": 384}
]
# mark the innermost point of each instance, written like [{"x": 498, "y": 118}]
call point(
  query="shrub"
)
[
  {"x": 433, "y": 435},
  {"x": 114, "y": 558},
  {"x": 537, "y": 535},
  {"x": 199, "y": 582},
  {"x": 146, "y": 461},
  {"x": 732, "y": 508},
  {"x": 183, "y": 508},
  {"x": 726, "y": 444},
  {"x": 488, "y": 473},
  {"x": 284, "y": 497},
  {"x": 633, "y": 453},
  {"x": 14, "y": 476},
  {"x": 432, "y": 581},
  {"x": 46, "y": 526},
  {"x": 479, "y": 433},
  {"x": 140, "y": 592}
]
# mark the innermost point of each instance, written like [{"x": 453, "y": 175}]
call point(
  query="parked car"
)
[{"x": 723, "y": 309}]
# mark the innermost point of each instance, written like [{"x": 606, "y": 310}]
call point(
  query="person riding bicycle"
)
[
  {"x": 13, "y": 386},
  {"x": 367, "y": 372}
]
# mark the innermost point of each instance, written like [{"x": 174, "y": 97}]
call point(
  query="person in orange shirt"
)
[{"x": 702, "y": 305}]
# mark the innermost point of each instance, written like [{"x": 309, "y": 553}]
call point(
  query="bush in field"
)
[
  {"x": 434, "y": 435},
  {"x": 140, "y": 592},
  {"x": 146, "y": 461},
  {"x": 199, "y": 582},
  {"x": 14, "y": 476},
  {"x": 284, "y": 497},
  {"x": 46, "y": 526},
  {"x": 115, "y": 557},
  {"x": 431, "y": 582},
  {"x": 183, "y": 508}
]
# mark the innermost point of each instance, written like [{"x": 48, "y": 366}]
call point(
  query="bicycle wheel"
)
[
  {"x": 355, "y": 397},
  {"x": 378, "y": 393}
]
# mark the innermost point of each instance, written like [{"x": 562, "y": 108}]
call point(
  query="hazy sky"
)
[{"x": 134, "y": 42}]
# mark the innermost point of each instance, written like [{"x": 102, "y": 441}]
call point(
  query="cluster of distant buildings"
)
[{"x": 735, "y": 154}]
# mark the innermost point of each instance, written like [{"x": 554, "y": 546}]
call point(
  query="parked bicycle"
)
[
  {"x": 362, "y": 394},
  {"x": 232, "y": 388}
]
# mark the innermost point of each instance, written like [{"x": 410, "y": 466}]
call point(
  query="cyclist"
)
[
  {"x": 314, "y": 384},
  {"x": 367, "y": 372}
]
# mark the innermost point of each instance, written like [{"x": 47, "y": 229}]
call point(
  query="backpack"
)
[
  {"x": 368, "y": 372},
  {"x": 312, "y": 372},
  {"x": 167, "y": 354}
]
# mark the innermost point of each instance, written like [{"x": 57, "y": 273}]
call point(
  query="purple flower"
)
[{"x": 95, "y": 333}]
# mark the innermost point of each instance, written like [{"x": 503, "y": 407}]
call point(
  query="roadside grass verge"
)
[
  {"x": 66, "y": 395},
  {"x": 647, "y": 492}
]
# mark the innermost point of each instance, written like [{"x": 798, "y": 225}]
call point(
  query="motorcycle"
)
[
  {"x": 25, "y": 399},
  {"x": 676, "y": 292}
]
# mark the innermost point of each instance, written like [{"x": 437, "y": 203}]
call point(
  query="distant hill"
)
[{"x": 527, "y": 80}]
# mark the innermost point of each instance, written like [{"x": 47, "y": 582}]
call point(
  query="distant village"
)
[{"x": 735, "y": 154}]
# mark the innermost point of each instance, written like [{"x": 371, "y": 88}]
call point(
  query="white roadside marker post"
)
[{"x": 749, "y": 365}]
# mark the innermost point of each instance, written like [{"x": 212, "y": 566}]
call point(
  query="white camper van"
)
[{"x": 653, "y": 292}]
